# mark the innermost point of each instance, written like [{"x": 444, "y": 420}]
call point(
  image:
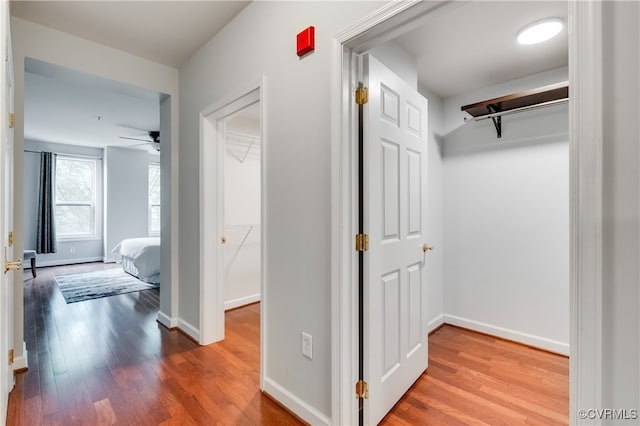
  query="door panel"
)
[{"x": 395, "y": 154}]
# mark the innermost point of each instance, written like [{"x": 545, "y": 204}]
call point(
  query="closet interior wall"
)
[{"x": 242, "y": 218}]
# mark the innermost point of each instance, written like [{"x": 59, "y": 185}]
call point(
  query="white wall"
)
[
  {"x": 435, "y": 221},
  {"x": 298, "y": 206},
  {"x": 242, "y": 222},
  {"x": 506, "y": 219},
  {"x": 126, "y": 196},
  {"x": 38, "y": 42},
  {"x": 621, "y": 187},
  {"x": 402, "y": 63},
  {"x": 75, "y": 251}
]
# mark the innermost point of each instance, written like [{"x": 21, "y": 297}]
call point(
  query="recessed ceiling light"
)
[{"x": 540, "y": 31}]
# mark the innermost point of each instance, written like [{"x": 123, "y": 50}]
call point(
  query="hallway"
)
[{"x": 107, "y": 361}]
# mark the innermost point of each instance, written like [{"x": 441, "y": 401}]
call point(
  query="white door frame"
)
[
  {"x": 6, "y": 280},
  {"x": 212, "y": 288},
  {"x": 585, "y": 146}
]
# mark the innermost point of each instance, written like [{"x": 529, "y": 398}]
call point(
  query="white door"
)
[
  {"x": 395, "y": 293},
  {"x": 6, "y": 219}
]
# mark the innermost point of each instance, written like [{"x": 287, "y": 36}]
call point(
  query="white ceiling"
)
[
  {"x": 469, "y": 45},
  {"x": 473, "y": 44},
  {"x": 167, "y": 32},
  {"x": 63, "y": 105}
]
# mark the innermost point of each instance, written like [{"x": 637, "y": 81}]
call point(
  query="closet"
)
[{"x": 242, "y": 208}]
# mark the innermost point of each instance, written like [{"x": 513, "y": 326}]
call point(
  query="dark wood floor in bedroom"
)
[{"x": 107, "y": 361}]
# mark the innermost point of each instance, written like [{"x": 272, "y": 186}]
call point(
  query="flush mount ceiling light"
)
[{"x": 540, "y": 31}]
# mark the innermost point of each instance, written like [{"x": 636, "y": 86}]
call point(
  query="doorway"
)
[
  {"x": 232, "y": 199},
  {"x": 107, "y": 126},
  {"x": 382, "y": 27},
  {"x": 242, "y": 207}
]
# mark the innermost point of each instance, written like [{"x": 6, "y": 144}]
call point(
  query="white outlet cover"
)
[{"x": 307, "y": 345}]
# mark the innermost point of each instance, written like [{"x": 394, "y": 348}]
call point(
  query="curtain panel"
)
[{"x": 46, "y": 231}]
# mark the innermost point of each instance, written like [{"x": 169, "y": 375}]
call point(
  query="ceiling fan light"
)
[{"x": 540, "y": 31}]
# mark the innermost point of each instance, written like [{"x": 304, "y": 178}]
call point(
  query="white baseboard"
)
[
  {"x": 20, "y": 362},
  {"x": 63, "y": 262},
  {"x": 517, "y": 336},
  {"x": 166, "y": 320},
  {"x": 235, "y": 303},
  {"x": 295, "y": 404},
  {"x": 109, "y": 260},
  {"x": 190, "y": 330},
  {"x": 435, "y": 323}
]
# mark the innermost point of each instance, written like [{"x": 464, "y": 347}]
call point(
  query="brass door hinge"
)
[
  {"x": 10, "y": 238},
  {"x": 12, "y": 120},
  {"x": 362, "y": 96},
  {"x": 362, "y": 389},
  {"x": 362, "y": 242},
  {"x": 10, "y": 356}
]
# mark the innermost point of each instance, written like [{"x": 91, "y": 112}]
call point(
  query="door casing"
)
[
  {"x": 212, "y": 287},
  {"x": 6, "y": 213},
  {"x": 586, "y": 176}
]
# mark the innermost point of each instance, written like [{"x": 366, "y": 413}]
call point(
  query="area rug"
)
[{"x": 97, "y": 284}]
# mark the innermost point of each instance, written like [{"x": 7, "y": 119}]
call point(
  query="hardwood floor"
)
[
  {"x": 107, "y": 361},
  {"x": 477, "y": 379}
]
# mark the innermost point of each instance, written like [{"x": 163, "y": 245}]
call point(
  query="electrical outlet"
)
[{"x": 307, "y": 345}]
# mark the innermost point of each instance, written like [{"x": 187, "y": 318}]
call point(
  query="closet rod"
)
[
  {"x": 516, "y": 110},
  {"x": 65, "y": 155}
]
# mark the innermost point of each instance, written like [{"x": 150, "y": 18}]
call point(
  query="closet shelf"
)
[{"x": 516, "y": 102}]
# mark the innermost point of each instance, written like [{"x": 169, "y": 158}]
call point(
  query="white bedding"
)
[{"x": 140, "y": 257}]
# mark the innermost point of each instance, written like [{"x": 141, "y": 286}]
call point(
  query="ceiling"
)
[
  {"x": 62, "y": 105},
  {"x": 473, "y": 44},
  {"x": 469, "y": 45},
  {"x": 167, "y": 32}
]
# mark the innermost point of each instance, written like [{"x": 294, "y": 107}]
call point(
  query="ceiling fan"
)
[{"x": 154, "y": 135}]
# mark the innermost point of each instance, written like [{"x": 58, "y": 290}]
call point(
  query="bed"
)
[{"x": 140, "y": 257}]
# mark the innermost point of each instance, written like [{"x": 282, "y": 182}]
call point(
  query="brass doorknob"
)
[
  {"x": 426, "y": 247},
  {"x": 223, "y": 240},
  {"x": 12, "y": 266}
]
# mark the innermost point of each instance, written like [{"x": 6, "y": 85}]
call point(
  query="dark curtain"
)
[{"x": 46, "y": 238}]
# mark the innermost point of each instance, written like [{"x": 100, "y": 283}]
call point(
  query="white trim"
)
[
  {"x": 211, "y": 199},
  {"x": 263, "y": 232},
  {"x": 40, "y": 264},
  {"x": 509, "y": 334},
  {"x": 166, "y": 320},
  {"x": 435, "y": 323},
  {"x": 295, "y": 404},
  {"x": 189, "y": 329},
  {"x": 586, "y": 174},
  {"x": 22, "y": 361},
  {"x": 211, "y": 189},
  {"x": 241, "y": 301}
]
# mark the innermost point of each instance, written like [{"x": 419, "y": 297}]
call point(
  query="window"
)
[
  {"x": 75, "y": 197},
  {"x": 154, "y": 199}
]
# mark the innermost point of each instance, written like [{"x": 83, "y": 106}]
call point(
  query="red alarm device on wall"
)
[{"x": 306, "y": 41}]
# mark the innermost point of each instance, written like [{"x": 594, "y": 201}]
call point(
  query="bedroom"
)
[
  {"x": 105, "y": 170},
  {"x": 107, "y": 145}
]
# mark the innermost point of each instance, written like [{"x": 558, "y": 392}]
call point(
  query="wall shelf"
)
[{"x": 517, "y": 102}]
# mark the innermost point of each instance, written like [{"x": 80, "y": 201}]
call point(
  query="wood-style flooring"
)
[
  {"x": 107, "y": 361},
  {"x": 475, "y": 379}
]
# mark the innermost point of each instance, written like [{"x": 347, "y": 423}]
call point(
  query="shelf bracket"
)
[{"x": 497, "y": 121}]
